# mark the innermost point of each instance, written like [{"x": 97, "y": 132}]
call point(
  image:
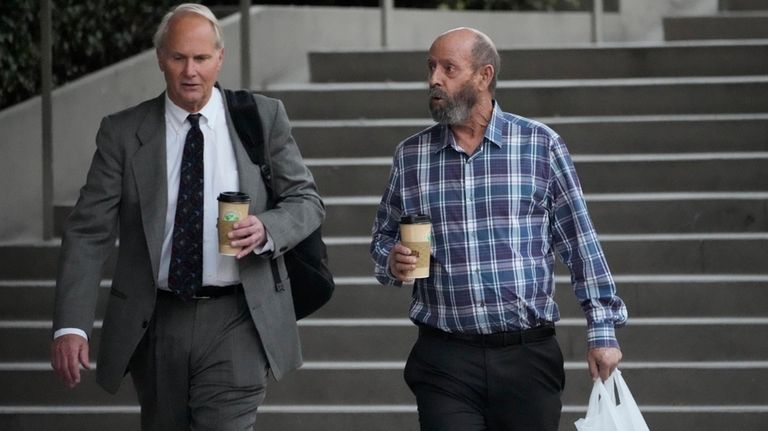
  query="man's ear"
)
[
  {"x": 486, "y": 74},
  {"x": 159, "y": 55},
  {"x": 221, "y": 57}
]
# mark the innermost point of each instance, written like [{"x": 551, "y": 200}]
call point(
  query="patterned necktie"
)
[{"x": 185, "y": 274}]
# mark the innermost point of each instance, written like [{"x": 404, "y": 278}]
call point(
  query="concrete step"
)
[
  {"x": 35, "y": 418},
  {"x": 686, "y": 385},
  {"x": 734, "y": 25},
  {"x": 647, "y": 254},
  {"x": 33, "y": 299},
  {"x": 655, "y": 213},
  {"x": 36, "y": 261},
  {"x": 662, "y": 341},
  {"x": 624, "y": 213},
  {"x": 339, "y": 340},
  {"x": 680, "y": 384},
  {"x": 574, "y": 62},
  {"x": 686, "y": 296},
  {"x": 604, "y": 97},
  {"x": 381, "y": 418},
  {"x": 598, "y": 174},
  {"x": 584, "y": 135},
  {"x": 742, "y": 5},
  {"x": 698, "y": 253}
]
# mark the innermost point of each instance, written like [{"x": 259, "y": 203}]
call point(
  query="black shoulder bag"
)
[{"x": 307, "y": 263}]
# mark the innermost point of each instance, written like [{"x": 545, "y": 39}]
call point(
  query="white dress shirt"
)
[{"x": 220, "y": 175}]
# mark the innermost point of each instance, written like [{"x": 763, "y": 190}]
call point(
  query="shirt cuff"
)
[
  {"x": 601, "y": 335},
  {"x": 268, "y": 246},
  {"x": 68, "y": 331}
]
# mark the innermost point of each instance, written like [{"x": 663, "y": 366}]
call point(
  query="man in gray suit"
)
[{"x": 198, "y": 331}]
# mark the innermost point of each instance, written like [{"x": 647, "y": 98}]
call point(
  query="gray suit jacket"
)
[{"x": 126, "y": 190}]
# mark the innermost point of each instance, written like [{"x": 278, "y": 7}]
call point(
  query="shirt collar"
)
[
  {"x": 177, "y": 115},
  {"x": 493, "y": 132}
]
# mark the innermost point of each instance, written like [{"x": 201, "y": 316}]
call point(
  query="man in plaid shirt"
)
[{"x": 503, "y": 197}]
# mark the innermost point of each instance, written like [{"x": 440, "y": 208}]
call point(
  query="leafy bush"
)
[
  {"x": 19, "y": 51},
  {"x": 87, "y": 36}
]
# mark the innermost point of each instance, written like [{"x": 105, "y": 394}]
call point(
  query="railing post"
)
[
  {"x": 46, "y": 87},
  {"x": 386, "y": 6},
  {"x": 597, "y": 21},
  {"x": 245, "y": 44}
]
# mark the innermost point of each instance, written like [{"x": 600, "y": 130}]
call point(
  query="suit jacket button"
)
[{"x": 144, "y": 324}]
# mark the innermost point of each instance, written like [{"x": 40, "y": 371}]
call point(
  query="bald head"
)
[{"x": 476, "y": 46}]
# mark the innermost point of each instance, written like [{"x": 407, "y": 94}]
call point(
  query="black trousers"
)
[{"x": 465, "y": 387}]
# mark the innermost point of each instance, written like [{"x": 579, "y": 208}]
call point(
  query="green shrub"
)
[
  {"x": 19, "y": 51},
  {"x": 87, "y": 36}
]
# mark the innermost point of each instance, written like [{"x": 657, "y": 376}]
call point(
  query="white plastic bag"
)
[{"x": 607, "y": 413}]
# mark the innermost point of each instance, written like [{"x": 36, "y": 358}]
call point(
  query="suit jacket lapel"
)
[{"x": 149, "y": 169}]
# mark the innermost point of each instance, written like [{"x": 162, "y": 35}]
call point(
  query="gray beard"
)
[{"x": 456, "y": 109}]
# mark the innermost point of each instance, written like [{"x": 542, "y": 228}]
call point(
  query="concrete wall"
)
[
  {"x": 21, "y": 206},
  {"x": 281, "y": 38},
  {"x": 641, "y": 21}
]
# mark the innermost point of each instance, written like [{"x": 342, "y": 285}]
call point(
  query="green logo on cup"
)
[{"x": 231, "y": 216}]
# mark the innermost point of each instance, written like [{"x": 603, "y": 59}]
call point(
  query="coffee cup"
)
[
  {"x": 416, "y": 234},
  {"x": 233, "y": 207}
]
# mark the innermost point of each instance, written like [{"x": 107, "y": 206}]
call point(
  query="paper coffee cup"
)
[
  {"x": 416, "y": 234},
  {"x": 233, "y": 207}
]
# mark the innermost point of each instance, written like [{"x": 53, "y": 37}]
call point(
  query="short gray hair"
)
[
  {"x": 483, "y": 53},
  {"x": 183, "y": 9}
]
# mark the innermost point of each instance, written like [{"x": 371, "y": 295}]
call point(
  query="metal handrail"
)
[
  {"x": 46, "y": 104},
  {"x": 597, "y": 21},
  {"x": 386, "y": 7},
  {"x": 245, "y": 44}
]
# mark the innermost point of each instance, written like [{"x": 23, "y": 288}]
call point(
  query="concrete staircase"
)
[
  {"x": 671, "y": 144},
  {"x": 737, "y": 19}
]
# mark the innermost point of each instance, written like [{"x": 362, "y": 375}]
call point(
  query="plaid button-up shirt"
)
[{"x": 498, "y": 217}]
